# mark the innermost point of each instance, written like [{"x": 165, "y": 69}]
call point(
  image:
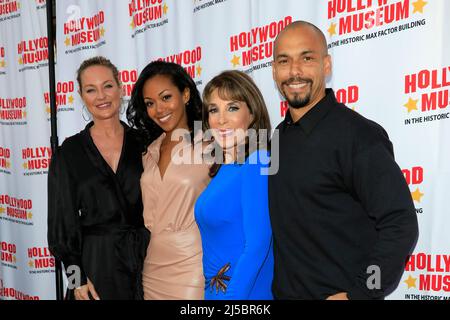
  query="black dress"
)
[{"x": 95, "y": 216}]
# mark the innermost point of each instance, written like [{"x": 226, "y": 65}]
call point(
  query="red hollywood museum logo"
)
[
  {"x": 13, "y": 108},
  {"x": 356, "y": 15},
  {"x": 8, "y": 7},
  {"x": 40, "y": 258},
  {"x": 429, "y": 88},
  {"x": 143, "y": 11},
  {"x": 348, "y": 96},
  {"x": 8, "y": 253},
  {"x": 16, "y": 208},
  {"x": 64, "y": 96},
  {"x": 7, "y": 293},
  {"x": 5, "y": 158},
  {"x": 189, "y": 60},
  {"x": 36, "y": 158},
  {"x": 32, "y": 51},
  {"x": 84, "y": 30},
  {"x": 128, "y": 79},
  {"x": 435, "y": 270},
  {"x": 255, "y": 45}
]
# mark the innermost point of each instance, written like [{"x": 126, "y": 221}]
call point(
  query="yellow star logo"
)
[
  {"x": 20, "y": 61},
  {"x": 8, "y": 164},
  {"x": 14, "y": 259},
  {"x": 199, "y": 70},
  {"x": 47, "y": 109},
  {"x": 417, "y": 195},
  {"x": 236, "y": 60},
  {"x": 165, "y": 8},
  {"x": 418, "y": 6},
  {"x": 411, "y": 282},
  {"x": 67, "y": 41},
  {"x": 132, "y": 25},
  {"x": 31, "y": 263},
  {"x": 24, "y": 114},
  {"x": 102, "y": 32},
  {"x": 18, "y": 5},
  {"x": 2, "y": 64},
  {"x": 25, "y": 165},
  {"x": 2, "y": 210},
  {"x": 71, "y": 99},
  {"x": 332, "y": 29},
  {"x": 29, "y": 215},
  {"x": 411, "y": 105}
]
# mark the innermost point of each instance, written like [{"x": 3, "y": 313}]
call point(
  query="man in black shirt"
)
[{"x": 342, "y": 215}]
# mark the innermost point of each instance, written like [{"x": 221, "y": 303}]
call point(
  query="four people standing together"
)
[{"x": 340, "y": 219}]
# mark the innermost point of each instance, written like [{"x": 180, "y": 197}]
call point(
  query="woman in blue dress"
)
[{"x": 233, "y": 212}]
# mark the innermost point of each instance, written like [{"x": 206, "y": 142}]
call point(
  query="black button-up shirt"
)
[{"x": 338, "y": 204}]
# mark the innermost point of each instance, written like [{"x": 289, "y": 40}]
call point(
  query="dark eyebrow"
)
[
  {"x": 162, "y": 92},
  {"x": 159, "y": 94},
  {"x": 228, "y": 104},
  {"x": 282, "y": 55}
]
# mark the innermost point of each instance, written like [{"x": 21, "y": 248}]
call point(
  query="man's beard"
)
[{"x": 296, "y": 101}]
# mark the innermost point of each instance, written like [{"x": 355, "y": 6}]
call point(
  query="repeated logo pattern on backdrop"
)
[
  {"x": 389, "y": 64},
  {"x": 24, "y": 150}
]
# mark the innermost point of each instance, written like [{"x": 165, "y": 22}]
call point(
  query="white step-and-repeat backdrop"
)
[{"x": 391, "y": 63}]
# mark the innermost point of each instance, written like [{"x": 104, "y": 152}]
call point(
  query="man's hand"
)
[
  {"x": 82, "y": 293},
  {"x": 338, "y": 296}
]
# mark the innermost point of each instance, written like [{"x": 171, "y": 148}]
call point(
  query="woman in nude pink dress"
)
[{"x": 164, "y": 105}]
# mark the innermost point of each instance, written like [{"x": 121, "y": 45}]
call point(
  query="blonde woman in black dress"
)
[{"x": 95, "y": 219}]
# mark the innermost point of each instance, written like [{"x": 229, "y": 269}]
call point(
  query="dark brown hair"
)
[{"x": 238, "y": 86}]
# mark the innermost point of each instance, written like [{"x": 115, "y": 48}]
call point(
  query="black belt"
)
[{"x": 130, "y": 248}]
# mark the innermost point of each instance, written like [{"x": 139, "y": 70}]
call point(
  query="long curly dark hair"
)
[{"x": 137, "y": 111}]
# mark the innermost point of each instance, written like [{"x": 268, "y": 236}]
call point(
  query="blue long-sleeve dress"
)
[{"x": 233, "y": 217}]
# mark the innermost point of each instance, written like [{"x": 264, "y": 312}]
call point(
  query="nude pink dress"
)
[{"x": 173, "y": 265}]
